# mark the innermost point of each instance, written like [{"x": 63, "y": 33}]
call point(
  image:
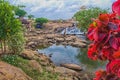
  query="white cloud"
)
[{"x": 59, "y": 7}]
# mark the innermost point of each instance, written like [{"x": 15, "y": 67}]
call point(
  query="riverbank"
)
[
  {"x": 39, "y": 67},
  {"x": 31, "y": 65}
]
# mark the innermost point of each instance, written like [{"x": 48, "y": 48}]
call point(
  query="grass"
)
[{"x": 22, "y": 63}]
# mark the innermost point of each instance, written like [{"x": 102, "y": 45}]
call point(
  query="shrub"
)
[
  {"x": 105, "y": 34},
  {"x": 84, "y": 17},
  {"x": 41, "y": 20}
]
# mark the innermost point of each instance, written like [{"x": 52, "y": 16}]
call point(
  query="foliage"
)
[
  {"x": 20, "y": 12},
  {"x": 41, "y": 20},
  {"x": 30, "y": 71},
  {"x": 10, "y": 29},
  {"x": 105, "y": 34},
  {"x": 30, "y": 16},
  {"x": 84, "y": 16}
]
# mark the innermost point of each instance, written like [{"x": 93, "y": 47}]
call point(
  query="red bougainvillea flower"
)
[
  {"x": 104, "y": 18},
  {"x": 104, "y": 31},
  {"x": 92, "y": 54},
  {"x": 116, "y": 55},
  {"x": 114, "y": 67},
  {"x": 100, "y": 74},
  {"x": 103, "y": 75},
  {"x": 105, "y": 34},
  {"x": 106, "y": 53},
  {"x": 116, "y": 7},
  {"x": 115, "y": 42}
]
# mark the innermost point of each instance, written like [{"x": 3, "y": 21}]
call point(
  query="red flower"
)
[
  {"x": 114, "y": 41},
  {"x": 114, "y": 67},
  {"x": 116, "y": 7},
  {"x": 105, "y": 34},
  {"x": 92, "y": 54},
  {"x": 116, "y": 55},
  {"x": 104, "y": 18},
  {"x": 100, "y": 75}
]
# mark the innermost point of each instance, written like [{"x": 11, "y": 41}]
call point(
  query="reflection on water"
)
[
  {"x": 62, "y": 54},
  {"x": 68, "y": 54},
  {"x": 89, "y": 64}
]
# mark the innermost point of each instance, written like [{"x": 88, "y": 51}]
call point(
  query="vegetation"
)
[
  {"x": 104, "y": 33},
  {"x": 20, "y": 12},
  {"x": 84, "y": 17},
  {"x": 24, "y": 65},
  {"x": 30, "y": 16},
  {"x": 11, "y": 35},
  {"x": 41, "y": 20}
]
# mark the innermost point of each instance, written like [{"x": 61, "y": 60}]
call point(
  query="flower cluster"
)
[{"x": 104, "y": 32}]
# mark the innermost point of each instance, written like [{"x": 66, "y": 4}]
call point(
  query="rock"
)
[
  {"x": 33, "y": 55},
  {"x": 28, "y": 54},
  {"x": 32, "y": 44},
  {"x": 59, "y": 39},
  {"x": 9, "y": 72},
  {"x": 65, "y": 71},
  {"x": 72, "y": 66},
  {"x": 78, "y": 44},
  {"x": 35, "y": 65}
]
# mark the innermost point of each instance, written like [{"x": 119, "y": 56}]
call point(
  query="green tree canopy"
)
[
  {"x": 84, "y": 16},
  {"x": 11, "y": 35},
  {"x": 20, "y": 12},
  {"x": 30, "y": 16},
  {"x": 41, "y": 20}
]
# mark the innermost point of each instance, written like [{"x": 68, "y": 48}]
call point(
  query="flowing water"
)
[{"x": 60, "y": 54}]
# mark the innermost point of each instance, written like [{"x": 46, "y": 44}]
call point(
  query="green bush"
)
[
  {"x": 84, "y": 16},
  {"x": 41, "y": 20}
]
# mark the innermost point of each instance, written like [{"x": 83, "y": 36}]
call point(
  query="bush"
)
[
  {"x": 84, "y": 17},
  {"x": 41, "y": 20},
  {"x": 11, "y": 35}
]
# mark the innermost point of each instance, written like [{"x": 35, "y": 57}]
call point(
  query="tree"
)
[
  {"x": 41, "y": 20},
  {"x": 84, "y": 16},
  {"x": 11, "y": 35},
  {"x": 20, "y": 12},
  {"x": 30, "y": 16}
]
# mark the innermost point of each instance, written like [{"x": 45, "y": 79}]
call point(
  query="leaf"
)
[
  {"x": 112, "y": 26},
  {"x": 114, "y": 43},
  {"x": 116, "y": 7},
  {"x": 116, "y": 54}
]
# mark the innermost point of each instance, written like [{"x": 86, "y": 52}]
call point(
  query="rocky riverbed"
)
[{"x": 37, "y": 38}]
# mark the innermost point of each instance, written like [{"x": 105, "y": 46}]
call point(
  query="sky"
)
[{"x": 59, "y": 9}]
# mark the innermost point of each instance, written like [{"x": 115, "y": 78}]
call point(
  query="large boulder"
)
[
  {"x": 9, "y": 72},
  {"x": 34, "y": 55},
  {"x": 72, "y": 66}
]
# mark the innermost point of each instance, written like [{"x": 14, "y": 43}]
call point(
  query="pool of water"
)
[{"x": 60, "y": 54}]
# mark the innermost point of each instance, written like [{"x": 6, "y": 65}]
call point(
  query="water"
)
[
  {"x": 72, "y": 30},
  {"x": 68, "y": 54}
]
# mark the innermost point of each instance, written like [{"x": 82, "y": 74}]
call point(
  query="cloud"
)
[{"x": 55, "y": 9}]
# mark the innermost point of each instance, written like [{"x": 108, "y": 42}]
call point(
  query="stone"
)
[
  {"x": 59, "y": 39},
  {"x": 65, "y": 71},
  {"x": 72, "y": 66},
  {"x": 28, "y": 54},
  {"x": 78, "y": 44},
  {"x": 34, "y": 55},
  {"x": 9, "y": 72},
  {"x": 35, "y": 65}
]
